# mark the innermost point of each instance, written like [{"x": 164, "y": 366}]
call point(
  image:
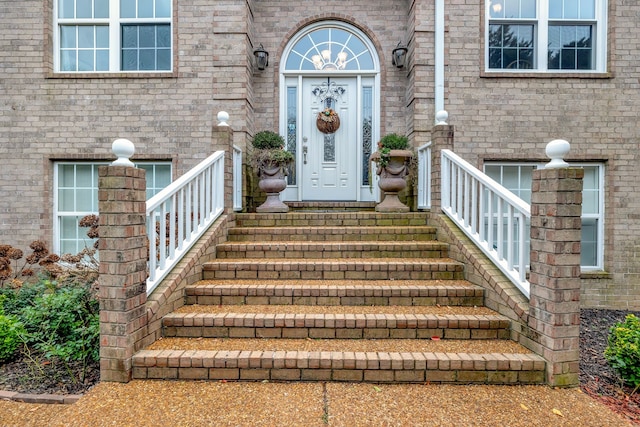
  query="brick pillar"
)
[
  {"x": 441, "y": 139},
  {"x": 123, "y": 268},
  {"x": 222, "y": 139},
  {"x": 554, "y": 314}
]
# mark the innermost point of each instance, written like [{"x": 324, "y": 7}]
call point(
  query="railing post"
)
[
  {"x": 222, "y": 139},
  {"x": 441, "y": 139},
  {"x": 123, "y": 263},
  {"x": 554, "y": 314}
]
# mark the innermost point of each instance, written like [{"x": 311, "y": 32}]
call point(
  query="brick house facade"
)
[{"x": 53, "y": 112}]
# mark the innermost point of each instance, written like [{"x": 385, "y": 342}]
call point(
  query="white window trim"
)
[
  {"x": 601, "y": 206},
  {"x": 115, "y": 43},
  {"x": 541, "y": 34}
]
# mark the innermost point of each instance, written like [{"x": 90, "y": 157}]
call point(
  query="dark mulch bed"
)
[
  {"x": 36, "y": 375},
  {"x": 597, "y": 379}
]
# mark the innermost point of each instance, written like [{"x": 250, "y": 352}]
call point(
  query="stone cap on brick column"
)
[
  {"x": 223, "y": 118},
  {"x": 123, "y": 149},
  {"x": 441, "y": 117},
  {"x": 556, "y": 150}
]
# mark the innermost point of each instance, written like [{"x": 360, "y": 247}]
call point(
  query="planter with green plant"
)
[
  {"x": 271, "y": 161},
  {"x": 393, "y": 165}
]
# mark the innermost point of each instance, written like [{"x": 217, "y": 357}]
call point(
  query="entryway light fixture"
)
[
  {"x": 262, "y": 57},
  {"x": 399, "y": 55}
]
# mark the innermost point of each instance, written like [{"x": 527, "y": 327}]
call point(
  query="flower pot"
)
[
  {"x": 392, "y": 173},
  {"x": 272, "y": 180}
]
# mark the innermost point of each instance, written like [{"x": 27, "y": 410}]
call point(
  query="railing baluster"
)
[
  {"x": 474, "y": 206},
  {"x": 466, "y": 200},
  {"x": 499, "y": 228},
  {"x": 181, "y": 218},
  {"x": 522, "y": 261},
  {"x": 511, "y": 246}
]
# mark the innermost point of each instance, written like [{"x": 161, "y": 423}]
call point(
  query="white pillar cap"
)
[
  {"x": 223, "y": 118},
  {"x": 556, "y": 150},
  {"x": 441, "y": 117},
  {"x": 123, "y": 149}
]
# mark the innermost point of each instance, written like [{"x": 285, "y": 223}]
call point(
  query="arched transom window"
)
[{"x": 330, "y": 49}]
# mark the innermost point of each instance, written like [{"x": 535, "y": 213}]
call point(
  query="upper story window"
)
[
  {"x": 546, "y": 35},
  {"x": 112, "y": 35}
]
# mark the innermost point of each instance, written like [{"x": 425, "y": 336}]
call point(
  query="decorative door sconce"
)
[
  {"x": 399, "y": 55},
  {"x": 262, "y": 57}
]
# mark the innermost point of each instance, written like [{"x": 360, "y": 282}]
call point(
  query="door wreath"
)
[{"x": 328, "y": 121}]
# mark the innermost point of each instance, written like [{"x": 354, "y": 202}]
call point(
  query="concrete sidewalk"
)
[{"x": 180, "y": 403}]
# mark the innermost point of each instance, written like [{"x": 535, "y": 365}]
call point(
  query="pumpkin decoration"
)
[{"x": 328, "y": 121}]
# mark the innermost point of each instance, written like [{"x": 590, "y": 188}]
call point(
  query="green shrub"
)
[
  {"x": 11, "y": 333},
  {"x": 278, "y": 157},
  {"x": 64, "y": 323},
  {"x": 623, "y": 351},
  {"x": 268, "y": 140},
  {"x": 393, "y": 141},
  {"x": 16, "y": 300},
  {"x": 10, "y": 336},
  {"x": 269, "y": 150}
]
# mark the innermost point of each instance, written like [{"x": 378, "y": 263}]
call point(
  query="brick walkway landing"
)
[{"x": 336, "y": 296}]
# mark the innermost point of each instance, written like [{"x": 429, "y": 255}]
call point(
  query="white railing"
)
[
  {"x": 178, "y": 215},
  {"x": 424, "y": 176},
  {"x": 489, "y": 214},
  {"x": 237, "y": 178}
]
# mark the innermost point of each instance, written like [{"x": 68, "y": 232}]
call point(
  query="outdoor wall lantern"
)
[
  {"x": 399, "y": 55},
  {"x": 262, "y": 57}
]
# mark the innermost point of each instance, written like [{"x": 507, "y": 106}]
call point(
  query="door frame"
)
[{"x": 290, "y": 79}]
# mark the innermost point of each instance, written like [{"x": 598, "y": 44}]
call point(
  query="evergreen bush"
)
[{"x": 623, "y": 351}]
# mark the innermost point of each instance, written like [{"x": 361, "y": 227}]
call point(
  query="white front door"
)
[{"x": 330, "y": 162}]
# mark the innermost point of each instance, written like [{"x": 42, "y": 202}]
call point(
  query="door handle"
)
[{"x": 304, "y": 154}]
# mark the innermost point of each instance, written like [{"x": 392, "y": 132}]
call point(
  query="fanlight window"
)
[{"x": 330, "y": 49}]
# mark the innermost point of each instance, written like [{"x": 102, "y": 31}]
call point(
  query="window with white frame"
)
[
  {"x": 517, "y": 177},
  {"x": 112, "y": 35},
  {"x": 546, "y": 35},
  {"x": 76, "y": 195}
]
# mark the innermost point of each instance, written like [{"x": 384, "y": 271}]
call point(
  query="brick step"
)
[
  {"x": 308, "y": 233},
  {"x": 319, "y": 250},
  {"x": 331, "y": 218},
  {"x": 376, "y": 367},
  {"x": 336, "y": 293},
  {"x": 335, "y": 269},
  {"x": 331, "y": 206},
  {"x": 259, "y": 323}
]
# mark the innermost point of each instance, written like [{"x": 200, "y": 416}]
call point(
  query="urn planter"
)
[
  {"x": 272, "y": 180},
  {"x": 392, "y": 168},
  {"x": 271, "y": 162}
]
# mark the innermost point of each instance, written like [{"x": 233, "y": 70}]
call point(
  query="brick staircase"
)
[{"x": 336, "y": 296}]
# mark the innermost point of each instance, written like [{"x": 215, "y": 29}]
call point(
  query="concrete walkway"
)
[{"x": 178, "y": 403}]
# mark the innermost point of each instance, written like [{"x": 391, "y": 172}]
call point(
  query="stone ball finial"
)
[
  {"x": 441, "y": 117},
  {"x": 123, "y": 149},
  {"x": 556, "y": 150},
  {"x": 223, "y": 118}
]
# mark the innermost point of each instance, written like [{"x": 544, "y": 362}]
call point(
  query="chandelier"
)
[{"x": 324, "y": 61}]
